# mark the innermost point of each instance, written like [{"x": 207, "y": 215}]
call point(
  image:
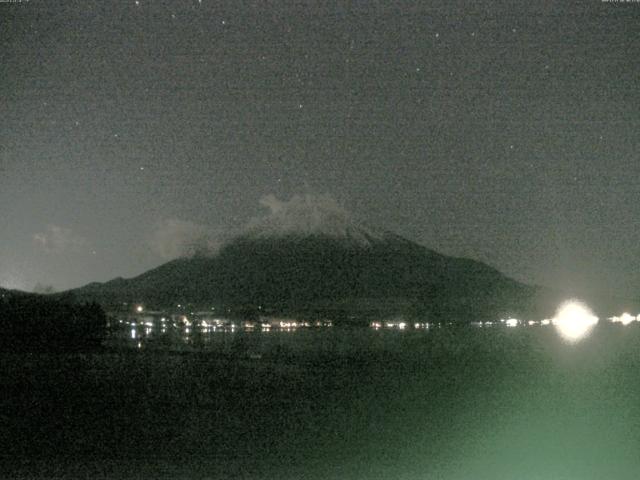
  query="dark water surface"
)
[{"x": 332, "y": 403}]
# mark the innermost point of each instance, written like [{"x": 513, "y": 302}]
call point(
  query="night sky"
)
[{"x": 508, "y": 132}]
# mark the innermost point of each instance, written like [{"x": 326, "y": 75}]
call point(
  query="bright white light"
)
[
  {"x": 624, "y": 319},
  {"x": 574, "y": 321},
  {"x": 545, "y": 322},
  {"x": 139, "y": 309},
  {"x": 511, "y": 322}
]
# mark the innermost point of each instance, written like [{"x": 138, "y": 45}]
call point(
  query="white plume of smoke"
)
[
  {"x": 43, "y": 288},
  {"x": 57, "y": 239},
  {"x": 11, "y": 278},
  {"x": 302, "y": 215},
  {"x": 309, "y": 214},
  {"x": 173, "y": 238}
]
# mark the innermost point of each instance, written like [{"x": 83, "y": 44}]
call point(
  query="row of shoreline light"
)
[
  {"x": 221, "y": 325},
  {"x": 573, "y": 320}
]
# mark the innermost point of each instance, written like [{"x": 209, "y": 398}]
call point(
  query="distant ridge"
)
[
  {"x": 353, "y": 272},
  {"x": 309, "y": 256}
]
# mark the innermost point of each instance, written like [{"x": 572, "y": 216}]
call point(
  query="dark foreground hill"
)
[
  {"x": 356, "y": 274},
  {"x": 31, "y": 322}
]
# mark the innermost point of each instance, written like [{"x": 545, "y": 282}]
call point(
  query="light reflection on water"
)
[
  {"x": 529, "y": 406},
  {"x": 256, "y": 339},
  {"x": 573, "y": 322},
  {"x": 549, "y": 399},
  {"x": 202, "y": 335}
]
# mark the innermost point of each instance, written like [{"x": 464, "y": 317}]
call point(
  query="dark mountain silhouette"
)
[{"x": 354, "y": 272}]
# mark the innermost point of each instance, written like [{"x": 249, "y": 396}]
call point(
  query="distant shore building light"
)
[
  {"x": 511, "y": 322},
  {"x": 625, "y": 319},
  {"x": 139, "y": 308}
]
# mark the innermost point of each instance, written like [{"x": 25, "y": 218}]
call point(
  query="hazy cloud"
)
[
  {"x": 57, "y": 239},
  {"x": 173, "y": 238}
]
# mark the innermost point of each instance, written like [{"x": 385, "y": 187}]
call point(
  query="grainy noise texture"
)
[{"x": 137, "y": 131}]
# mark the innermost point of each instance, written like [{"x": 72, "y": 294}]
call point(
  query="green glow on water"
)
[{"x": 478, "y": 403}]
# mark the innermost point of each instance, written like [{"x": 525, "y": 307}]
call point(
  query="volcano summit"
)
[{"x": 309, "y": 257}]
